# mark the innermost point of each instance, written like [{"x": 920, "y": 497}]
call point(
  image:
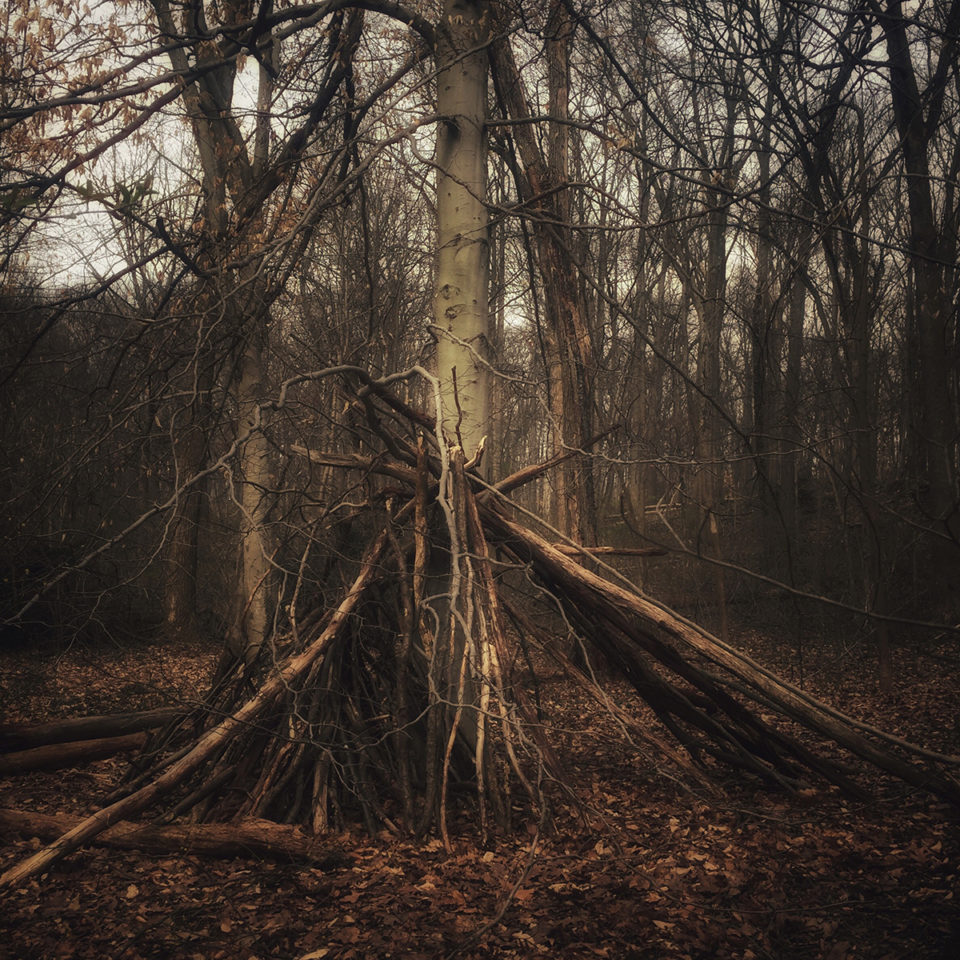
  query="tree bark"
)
[{"x": 460, "y": 305}]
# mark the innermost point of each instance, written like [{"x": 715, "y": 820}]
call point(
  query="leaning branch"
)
[
  {"x": 576, "y": 551},
  {"x": 527, "y": 474},
  {"x": 759, "y": 684},
  {"x": 356, "y": 461},
  {"x": 210, "y": 744}
]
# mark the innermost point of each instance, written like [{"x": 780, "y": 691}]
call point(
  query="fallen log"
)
[
  {"x": 248, "y": 838},
  {"x": 56, "y": 756},
  {"x": 24, "y": 737}
]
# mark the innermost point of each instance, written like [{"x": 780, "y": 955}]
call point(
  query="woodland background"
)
[
  {"x": 754, "y": 209},
  {"x": 722, "y": 245}
]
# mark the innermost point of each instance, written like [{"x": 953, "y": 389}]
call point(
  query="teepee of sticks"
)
[{"x": 405, "y": 698}]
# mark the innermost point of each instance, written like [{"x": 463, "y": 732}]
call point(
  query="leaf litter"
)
[{"x": 641, "y": 867}]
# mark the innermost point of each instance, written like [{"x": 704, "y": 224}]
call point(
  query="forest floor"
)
[{"x": 644, "y": 868}]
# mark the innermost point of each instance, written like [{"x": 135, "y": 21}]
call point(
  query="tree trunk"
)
[
  {"x": 572, "y": 403},
  {"x": 767, "y": 340},
  {"x": 791, "y": 433},
  {"x": 181, "y": 539},
  {"x": 250, "y": 622},
  {"x": 543, "y": 183},
  {"x": 917, "y": 116},
  {"x": 462, "y": 281}
]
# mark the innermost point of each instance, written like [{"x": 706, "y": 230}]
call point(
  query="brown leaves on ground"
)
[{"x": 644, "y": 869}]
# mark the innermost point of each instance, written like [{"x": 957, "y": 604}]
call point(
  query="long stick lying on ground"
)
[
  {"x": 209, "y": 744},
  {"x": 248, "y": 838},
  {"x": 23, "y": 737},
  {"x": 56, "y": 756}
]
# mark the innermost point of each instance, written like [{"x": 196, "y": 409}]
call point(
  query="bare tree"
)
[{"x": 919, "y": 101}]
